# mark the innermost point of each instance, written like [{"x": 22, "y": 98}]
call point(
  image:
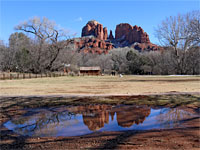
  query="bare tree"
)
[
  {"x": 3, "y": 53},
  {"x": 50, "y": 40},
  {"x": 181, "y": 32},
  {"x": 191, "y": 30},
  {"x": 192, "y": 61}
]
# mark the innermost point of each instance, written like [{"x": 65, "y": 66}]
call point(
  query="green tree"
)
[
  {"x": 19, "y": 45},
  {"x": 135, "y": 62},
  {"x": 23, "y": 60}
]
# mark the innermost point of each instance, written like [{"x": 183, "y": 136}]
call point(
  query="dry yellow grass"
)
[{"x": 132, "y": 85}]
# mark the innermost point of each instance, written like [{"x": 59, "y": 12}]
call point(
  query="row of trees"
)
[
  {"x": 130, "y": 61},
  {"x": 46, "y": 47}
]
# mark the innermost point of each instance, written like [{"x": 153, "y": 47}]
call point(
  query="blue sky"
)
[{"x": 73, "y": 15}]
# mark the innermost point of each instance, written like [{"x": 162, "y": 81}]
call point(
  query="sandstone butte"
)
[{"x": 95, "y": 39}]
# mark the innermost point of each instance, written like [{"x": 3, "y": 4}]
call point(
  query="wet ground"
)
[
  {"x": 81, "y": 120},
  {"x": 117, "y": 122}
]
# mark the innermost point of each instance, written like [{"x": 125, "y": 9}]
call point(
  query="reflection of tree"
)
[
  {"x": 171, "y": 117},
  {"x": 42, "y": 122},
  {"x": 46, "y": 121},
  {"x": 126, "y": 115}
]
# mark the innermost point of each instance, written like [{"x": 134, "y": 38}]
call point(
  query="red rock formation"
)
[
  {"x": 146, "y": 47},
  {"x": 134, "y": 36},
  {"x": 111, "y": 37},
  {"x": 96, "y": 29},
  {"x": 125, "y": 35},
  {"x": 93, "y": 45},
  {"x": 105, "y": 33},
  {"x": 131, "y": 34}
]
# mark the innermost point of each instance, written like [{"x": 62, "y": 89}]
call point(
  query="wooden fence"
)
[{"x": 12, "y": 76}]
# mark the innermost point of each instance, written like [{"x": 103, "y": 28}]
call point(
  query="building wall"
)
[{"x": 90, "y": 72}]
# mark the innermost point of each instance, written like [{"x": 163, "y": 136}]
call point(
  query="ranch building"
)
[{"x": 90, "y": 71}]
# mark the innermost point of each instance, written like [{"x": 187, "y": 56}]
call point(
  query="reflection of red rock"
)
[
  {"x": 112, "y": 114},
  {"x": 97, "y": 121},
  {"x": 129, "y": 115},
  {"x": 95, "y": 116}
]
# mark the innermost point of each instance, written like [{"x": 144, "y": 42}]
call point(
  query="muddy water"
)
[{"x": 81, "y": 120}]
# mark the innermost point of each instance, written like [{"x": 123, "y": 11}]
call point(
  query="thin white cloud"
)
[{"x": 79, "y": 19}]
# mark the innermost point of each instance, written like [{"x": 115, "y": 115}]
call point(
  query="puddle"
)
[{"x": 81, "y": 120}]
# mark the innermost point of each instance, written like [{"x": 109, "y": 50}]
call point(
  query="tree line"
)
[{"x": 41, "y": 46}]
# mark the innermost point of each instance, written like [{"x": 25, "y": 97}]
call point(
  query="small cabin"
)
[{"x": 90, "y": 71}]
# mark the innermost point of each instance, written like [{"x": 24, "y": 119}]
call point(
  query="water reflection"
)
[
  {"x": 79, "y": 120},
  {"x": 96, "y": 116},
  {"x": 169, "y": 118},
  {"x": 129, "y": 115}
]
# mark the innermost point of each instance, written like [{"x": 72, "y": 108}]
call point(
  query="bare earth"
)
[
  {"x": 92, "y": 85},
  {"x": 177, "y": 138}
]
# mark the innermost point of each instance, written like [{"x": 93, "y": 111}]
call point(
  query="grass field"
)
[{"x": 100, "y": 85}]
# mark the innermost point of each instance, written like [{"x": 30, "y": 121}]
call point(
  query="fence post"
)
[
  {"x": 29, "y": 76},
  {"x": 10, "y": 76},
  {"x": 3, "y": 76}
]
